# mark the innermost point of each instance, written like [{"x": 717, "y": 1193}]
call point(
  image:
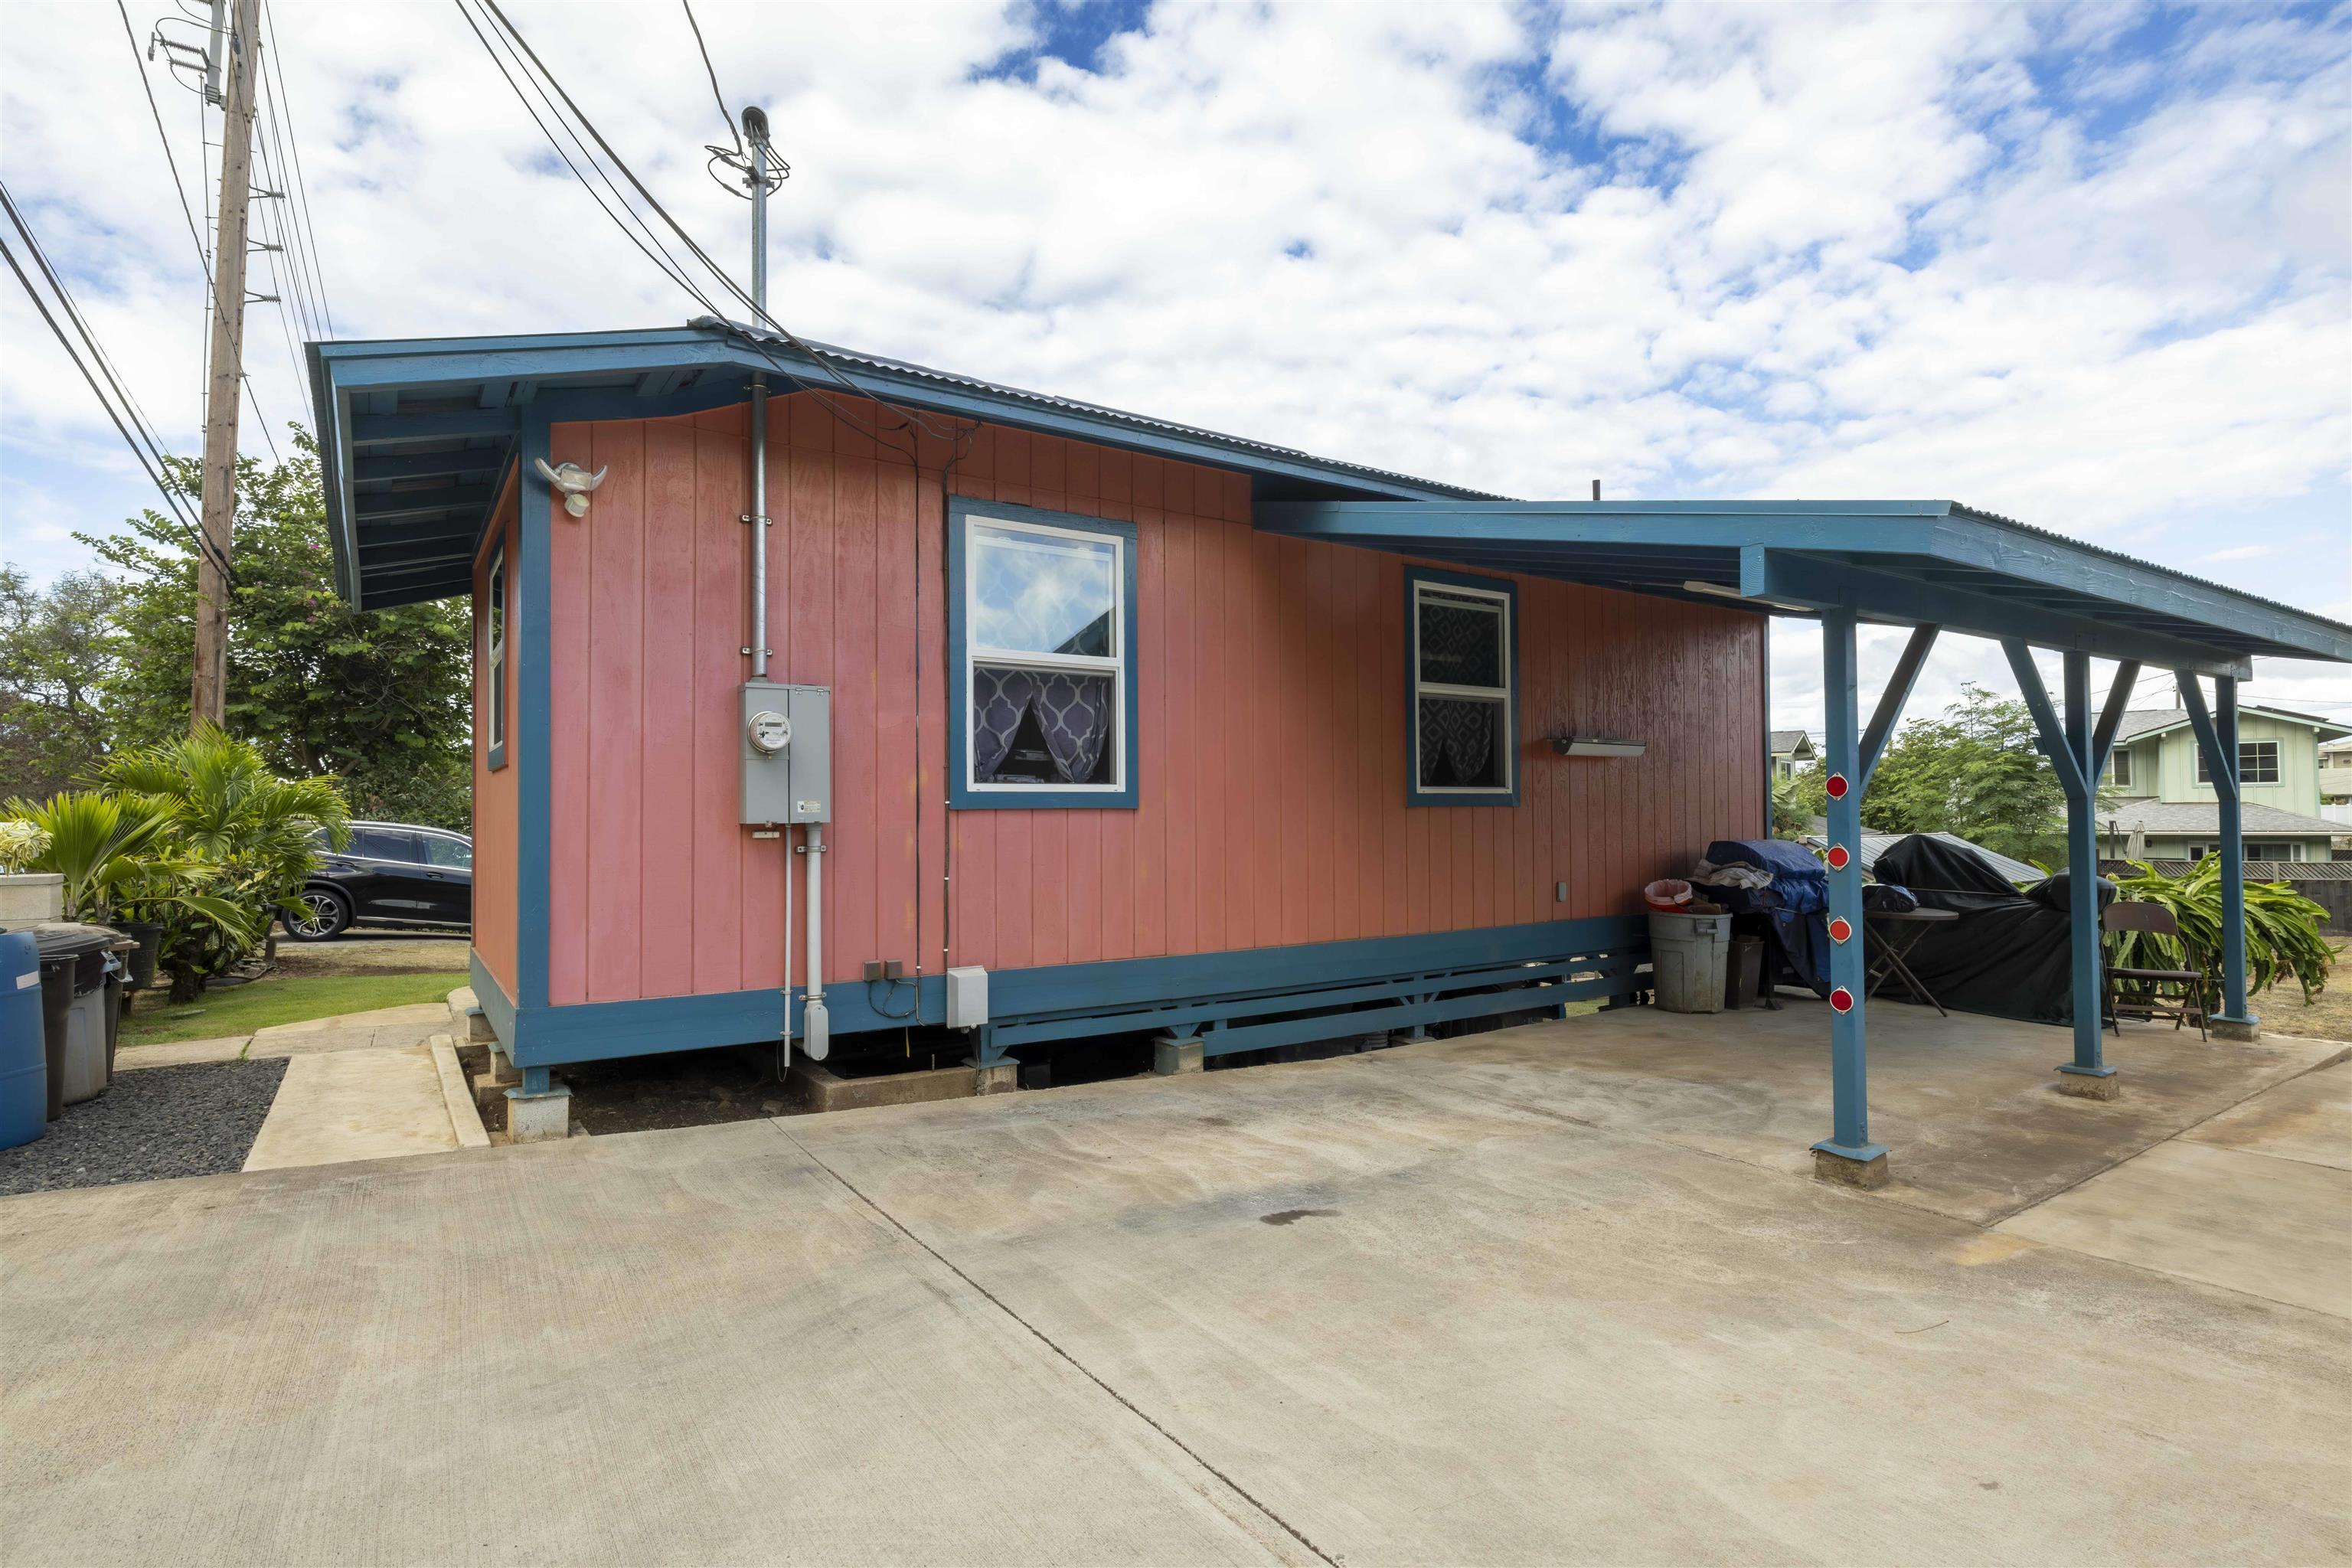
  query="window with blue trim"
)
[
  {"x": 1462, "y": 665},
  {"x": 494, "y": 655},
  {"x": 1042, "y": 628}
]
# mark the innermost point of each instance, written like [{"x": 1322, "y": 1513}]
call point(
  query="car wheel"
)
[{"x": 319, "y": 915}]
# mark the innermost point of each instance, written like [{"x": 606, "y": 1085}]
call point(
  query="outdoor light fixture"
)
[
  {"x": 1718, "y": 591},
  {"x": 572, "y": 483},
  {"x": 1595, "y": 746}
]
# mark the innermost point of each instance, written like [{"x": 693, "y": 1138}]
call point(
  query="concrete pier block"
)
[
  {"x": 477, "y": 1029},
  {"x": 996, "y": 1077},
  {"x": 2245, "y": 1030},
  {"x": 536, "y": 1117},
  {"x": 1170, "y": 1055},
  {"x": 1848, "y": 1172},
  {"x": 2091, "y": 1085}
]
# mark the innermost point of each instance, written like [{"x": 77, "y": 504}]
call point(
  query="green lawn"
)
[{"x": 241, "y": 1009}]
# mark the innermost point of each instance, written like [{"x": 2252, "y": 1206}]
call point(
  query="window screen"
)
[{"x": 1462, "y": 733}]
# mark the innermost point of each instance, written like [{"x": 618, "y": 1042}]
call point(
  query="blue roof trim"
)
[
  {"x": 1903, "y": 561},
  {"x": 436, "y": 396}
]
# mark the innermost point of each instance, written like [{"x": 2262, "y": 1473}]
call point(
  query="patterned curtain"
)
[
  {"x": 1460, "y": 735},
  {"x": 1073, "y": 713}
]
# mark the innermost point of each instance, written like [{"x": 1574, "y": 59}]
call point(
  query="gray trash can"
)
[
  {"x": 1687, "y": 954},
  {"x": 76, "y": 964}
]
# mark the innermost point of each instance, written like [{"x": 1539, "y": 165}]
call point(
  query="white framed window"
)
[
  {"x": 1043, "y": 638},
  {"x": 494, "y": 655},
  {"x": 2258, "y": 763},
  {"x": 2119, "y": 767},
  {"x": 1462, "y": 664}
]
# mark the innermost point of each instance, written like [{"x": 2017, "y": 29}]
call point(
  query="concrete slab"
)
[
  {"x": 1966, "y": 1105},
  {"x": 1421, "y": 1324},
  {"x": 2307, "y": 1119},
  {"x": 338, "y": 1106},
  {"x": 2276, "y": 1228},
  {"x": 1372, "y": 1309},
  {"x": 687, "y": 1347},
  {"x": 227, "y": 1048},
  {"x": 380, "y": 1028}
]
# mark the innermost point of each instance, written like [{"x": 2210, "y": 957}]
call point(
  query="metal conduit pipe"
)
[{"x": 817, "y": 1029}]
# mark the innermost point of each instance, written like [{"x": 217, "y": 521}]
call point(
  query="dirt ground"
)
[
  {"x": 372, "y": 953},
  {"x": 2329, "y": 1015},
  {"x": 639, "y": 1094}
]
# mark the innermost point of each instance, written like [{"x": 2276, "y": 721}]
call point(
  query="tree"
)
[
  {"x": 1978, "y": 772},
  {"x": 58, "y": 649},
  {"x": 381, "y": 701}
]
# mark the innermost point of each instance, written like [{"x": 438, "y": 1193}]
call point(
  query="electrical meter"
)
[{"x": 769, "y": 732}]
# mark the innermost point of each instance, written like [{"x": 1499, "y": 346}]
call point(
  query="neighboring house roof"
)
[
  {"x": 2272, "y": 871},
  {"x": 2138, "y": 722},
  {"x": 1874, "y": 845},
  {"x": 2174, "y": 819},
  {"x": 1785, "y": 741}
]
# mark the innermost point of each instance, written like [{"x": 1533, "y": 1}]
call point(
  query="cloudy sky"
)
[{"x": 2089, "y": 266}]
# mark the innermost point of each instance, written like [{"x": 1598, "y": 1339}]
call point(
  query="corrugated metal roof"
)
[{"x": 1075, "y": 406}]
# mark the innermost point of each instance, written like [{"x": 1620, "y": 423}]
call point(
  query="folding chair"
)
[{"x": 2150, "y": 994}]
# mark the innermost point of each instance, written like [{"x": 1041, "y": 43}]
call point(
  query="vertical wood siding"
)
[
  {"x": 1271, "y": 738},
  {"x": 496, "y": 794}
]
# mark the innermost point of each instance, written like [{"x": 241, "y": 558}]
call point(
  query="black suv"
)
[{"x": 391, "y": 874}]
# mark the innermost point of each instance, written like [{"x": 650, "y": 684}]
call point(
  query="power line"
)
[
  {"x": 285, "y": 110},
  {"x": 716, "y": 96},
  {"x": 202, "y": 261},
  {"x": 171, "y": 497},
  {"x": 907, "y": 416}
]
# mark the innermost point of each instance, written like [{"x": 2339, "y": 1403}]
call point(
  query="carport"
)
[{"x": 1932, "y": 565}]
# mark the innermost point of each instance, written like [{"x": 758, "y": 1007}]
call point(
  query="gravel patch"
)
[{"x": 158, "y": 1123}]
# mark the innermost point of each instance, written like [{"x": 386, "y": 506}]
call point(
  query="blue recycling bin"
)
[{"x": 24, "y": 1059}]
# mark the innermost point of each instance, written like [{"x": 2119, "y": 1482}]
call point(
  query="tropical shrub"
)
[
  {"x": 246, "y": 835},
  {"x": 119, "y": 864},
  {"x": 20, "y": 841},
  {"x": 2282, "y": 931}
]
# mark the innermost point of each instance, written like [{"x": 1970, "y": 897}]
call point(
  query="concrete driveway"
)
[{"x": 1458, "y": 1302}]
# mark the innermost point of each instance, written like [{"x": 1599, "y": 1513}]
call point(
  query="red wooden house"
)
[{"x": 1100, "y": 727}]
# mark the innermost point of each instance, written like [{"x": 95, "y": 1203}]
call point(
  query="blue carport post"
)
[
  {"x": 1847, "y": 1155},
  {"x": 2077, "y": 748},
  {"x": 2217, "y": 736}
]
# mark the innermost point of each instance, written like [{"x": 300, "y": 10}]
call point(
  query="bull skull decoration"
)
[{"x": 572, "y": 483}]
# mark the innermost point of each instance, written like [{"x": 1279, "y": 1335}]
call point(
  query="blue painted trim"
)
[
  {"x": 1889, "y": 711},
  {"x": 1413, "y": 793},
  {"x": 962, "y": 796},
  {"x": 2081, "y": 1071},
  {"x": 492, "y": 999},
  {"x": 2065, "y": 761},
  {"x": 1861, "y": 1153},
  {"x": 1849, "y": 1036},
  {"x": 1113, "y": 993},
  {"x": 2084, "y": 937},
  {"x": 530, "y": 636}
]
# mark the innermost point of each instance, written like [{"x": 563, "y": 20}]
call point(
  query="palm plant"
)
[
  {"x": 114, "y": 852},
  {"x": 2282, "y": 930},
  {"x": 220, "y": 804}
]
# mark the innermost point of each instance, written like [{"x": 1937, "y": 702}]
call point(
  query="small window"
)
[
  {"x": 1043, "y": 633},
  {"x": 2119, "y": 769},
  {"x": 1463, "y": 657},
  {"x": 494, "y": 643},
  {"x": 2258, "y": 763},
  {"x": 449, "y": 854}
]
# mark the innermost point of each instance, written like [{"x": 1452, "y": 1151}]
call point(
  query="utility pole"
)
[{"x": 210, "y": 702}]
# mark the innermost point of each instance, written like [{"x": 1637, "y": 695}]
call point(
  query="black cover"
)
[{"x": 2010, "y": 955}]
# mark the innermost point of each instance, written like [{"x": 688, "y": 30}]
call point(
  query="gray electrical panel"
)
[{"x": 786, "y": 740}]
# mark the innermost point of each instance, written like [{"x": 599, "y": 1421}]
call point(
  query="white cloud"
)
[{"x": 2007, "y": 254}]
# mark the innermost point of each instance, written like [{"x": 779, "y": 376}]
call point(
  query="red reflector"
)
[
  {"x": 1840, "y": 930},
  {"x": 1837, "y": 786},
  {"x": 1838, "y": 857},
  {"x": 1842, "y": 999}
]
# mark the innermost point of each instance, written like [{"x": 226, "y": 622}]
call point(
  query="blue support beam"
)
[
  {"x": 2077, "y": 745},
  {"x": 1889, "y": 711},
  {"x": 2217, "y": 736},
  {"x": 1849, "y": 1054}
]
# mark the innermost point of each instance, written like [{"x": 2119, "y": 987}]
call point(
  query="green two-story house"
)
[{"x": 2162, "y": 805}]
